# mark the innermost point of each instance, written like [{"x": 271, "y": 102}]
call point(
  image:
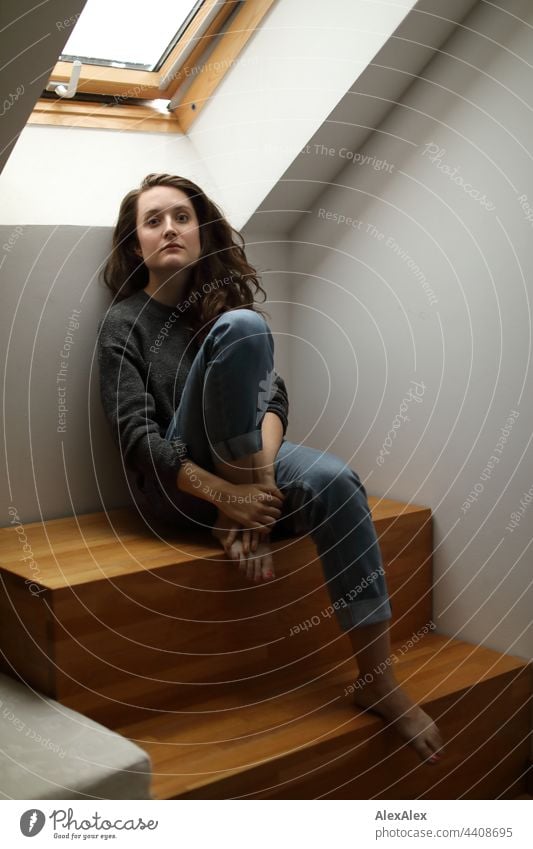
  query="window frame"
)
[{"x": 223, "y": 40}]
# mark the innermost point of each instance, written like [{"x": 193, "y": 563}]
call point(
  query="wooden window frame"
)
[{"x": 122, "y": 83}]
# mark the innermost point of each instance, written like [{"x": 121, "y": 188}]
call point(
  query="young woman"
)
[{"x": 200, "y": 415}]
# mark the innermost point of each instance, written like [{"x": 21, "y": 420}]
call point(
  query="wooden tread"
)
[
  {"x": 158, "y": 637},
  {"x": 310, "y": 741},
  {"x": 97, "y": 546},
  {"x": 126, "y": 621}
]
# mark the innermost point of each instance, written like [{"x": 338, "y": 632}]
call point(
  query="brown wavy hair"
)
[{"x": 221, "y": 255}]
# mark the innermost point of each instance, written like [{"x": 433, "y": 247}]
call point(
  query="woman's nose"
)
[{"x": 170, "y": 227}]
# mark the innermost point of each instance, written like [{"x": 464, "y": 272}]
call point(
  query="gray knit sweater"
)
[{"x": 145, "y": 353}]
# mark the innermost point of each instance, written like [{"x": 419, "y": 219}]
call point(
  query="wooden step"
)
[
  {"x": 119, "y": 620},
  {"x": 310, "y": 742}
]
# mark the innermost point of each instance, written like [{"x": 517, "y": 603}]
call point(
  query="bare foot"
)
[
  {"x": 413, "y": 724},
  {"x": 258, "y": 565},
  {"x": 253, "y": 556},
  {"x": 222, "y": 527}
]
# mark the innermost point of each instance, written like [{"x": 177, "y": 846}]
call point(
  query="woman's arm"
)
[
  {"x": 279, "y": 403},
  {"x": 250, "y": 505},
  {"x": 272, "y": 432},
  {"x": 272, "y": 429},
  {"x": 194, "y": 480},
  {"x": 130, "y": 407}
]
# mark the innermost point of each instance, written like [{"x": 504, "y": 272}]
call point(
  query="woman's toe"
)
[{"x": 267, "y": 569}]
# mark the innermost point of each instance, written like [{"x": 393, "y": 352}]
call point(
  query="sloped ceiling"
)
[
  {"x": 269, "y": 199},
  {"x": 32, "y": 36},
  {"x": 359, "y": 112}
]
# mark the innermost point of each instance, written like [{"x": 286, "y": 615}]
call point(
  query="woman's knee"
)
[
  {"x": 244, "y": 322},
  {"x": 242, "y": 330},
  {"x": 330, "y": 478}
]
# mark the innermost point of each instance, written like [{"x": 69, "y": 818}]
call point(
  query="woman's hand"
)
[
  {"x": 245, "y": 548},
  {"x": 225, "y": 531},
  {"x": 252, "y": 505}
]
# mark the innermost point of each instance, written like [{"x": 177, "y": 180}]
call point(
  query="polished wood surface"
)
[
  {"x": 91, "y": 546},
  {"x": 310, "y": 740},
  {"x": 136, "y": 622},
  {"x": 161, "y": 638},
  {"x": 69, "y": 113}
]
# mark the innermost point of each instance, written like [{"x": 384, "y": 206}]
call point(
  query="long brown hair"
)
[{"x": 222, "y": 258}]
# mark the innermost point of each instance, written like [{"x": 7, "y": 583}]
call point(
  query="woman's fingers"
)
[
  {"x": 234, "y": 550},
  {"x": 232, "y": 536},
  {"x": 255, "y": 539},
  {"x": 272, "y": 491}
]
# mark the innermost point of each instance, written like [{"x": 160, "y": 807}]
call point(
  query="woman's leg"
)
[
  {"x": 223, "y": 401},
  {"x": 326, "y": 499},
  {"x": 220, "y": 411}
]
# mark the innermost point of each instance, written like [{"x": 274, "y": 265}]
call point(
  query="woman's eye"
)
[{"x": 181, "y": 215}]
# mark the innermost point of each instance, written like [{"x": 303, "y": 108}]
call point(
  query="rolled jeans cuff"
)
[
  {"x": 358, "y": 614},
  {"x": 237, "y": 446}
]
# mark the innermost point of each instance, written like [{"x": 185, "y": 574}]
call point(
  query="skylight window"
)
[
  {"x": 129, "y": 33},
  {"x": 138, "y": 55}
]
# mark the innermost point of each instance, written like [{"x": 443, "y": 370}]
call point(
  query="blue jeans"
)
[{"x": 219, "y": 417}]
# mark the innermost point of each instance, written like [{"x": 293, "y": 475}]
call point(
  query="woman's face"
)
[{"x": 165, "y": 215}]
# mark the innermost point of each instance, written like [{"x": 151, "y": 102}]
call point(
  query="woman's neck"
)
[{"x": 169, "y": 292}]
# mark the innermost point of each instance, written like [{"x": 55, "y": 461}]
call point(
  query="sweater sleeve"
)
[
  {"x": 279, "y": 402},
  {"x": 130, "y": 410}
]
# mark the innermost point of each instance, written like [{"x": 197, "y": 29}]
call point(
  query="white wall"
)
[
  {"x": 365, "y": 328},
  {"x": 290, "y": 75},
  {"x": 59, "y": 466},
  {"x": 233, "y": 149},
  {"x": 71, "y": 175},
  {"x": 32, "y": 36},
  {"x": 358, "y": 314}
]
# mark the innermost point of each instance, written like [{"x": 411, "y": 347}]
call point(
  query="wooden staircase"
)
[{"x": 241, "y": 690}]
